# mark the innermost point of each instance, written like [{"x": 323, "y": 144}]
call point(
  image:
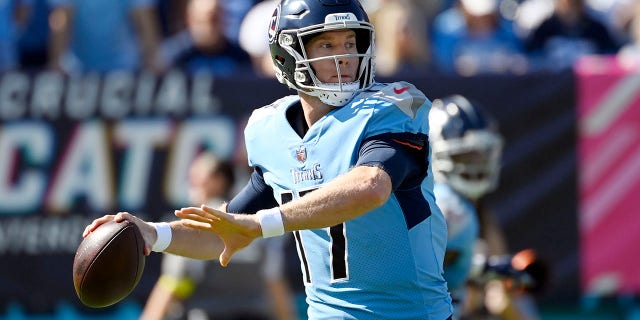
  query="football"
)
[{"x": 108, "y": 264}]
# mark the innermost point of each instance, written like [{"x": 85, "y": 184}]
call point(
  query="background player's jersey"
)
[
  {"x": 385, "y": 264},
  {"x": 462, "y": 224}
]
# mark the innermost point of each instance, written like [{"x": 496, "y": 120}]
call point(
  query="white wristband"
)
[
  {"x": 271, "y": 222},
  {"x": 163, "y": 230}
]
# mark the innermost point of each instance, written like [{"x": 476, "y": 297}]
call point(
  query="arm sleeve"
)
[
  {"x": 256, "y": 195},
  {"x": 402, "y": 155}
]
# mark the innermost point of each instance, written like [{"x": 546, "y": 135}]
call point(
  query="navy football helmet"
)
[
  {"x": 294, "y": 22},
  {"x": 466, "y": 146}
]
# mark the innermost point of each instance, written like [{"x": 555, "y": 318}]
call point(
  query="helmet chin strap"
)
[
  {"x": 470, "y": 189},
  {"x": 335, "y": 94}
]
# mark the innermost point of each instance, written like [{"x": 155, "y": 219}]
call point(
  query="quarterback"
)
[{"x": 343, "y": 165}]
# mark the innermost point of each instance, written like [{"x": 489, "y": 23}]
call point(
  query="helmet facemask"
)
[
  {"x": 471, "y": 164},
  {"x": 304, "y": 77}
]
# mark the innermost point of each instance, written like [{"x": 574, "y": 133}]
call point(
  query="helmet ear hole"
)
[
  {"x": 363, "y": 40},
  {"x": 280, "y": 59}
]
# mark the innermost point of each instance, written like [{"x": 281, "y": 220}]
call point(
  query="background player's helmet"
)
[
  {"x": 294, "y": 22},
  {"x": 466, "y": 146}
]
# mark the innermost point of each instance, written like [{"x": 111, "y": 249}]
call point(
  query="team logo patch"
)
[
  {"x": 273, "y": 25},
  {"x": 301, "y": 154}
]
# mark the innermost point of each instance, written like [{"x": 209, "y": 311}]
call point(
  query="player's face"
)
[
  {"x": 203, "y": 185},
  {"x": 474, "y": 162},
  {"x": 332, "y": 43}
]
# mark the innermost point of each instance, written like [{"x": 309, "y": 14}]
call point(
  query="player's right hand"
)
[
  {"x": 147, "y": 230},
  {"x": 236, "y": 230}
]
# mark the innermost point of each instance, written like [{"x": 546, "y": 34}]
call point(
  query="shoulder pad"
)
[
  {"x": 402, "y": 94},
  {"x": 270, "y": 109}
]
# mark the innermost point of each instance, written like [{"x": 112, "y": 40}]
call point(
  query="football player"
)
[
  {"x": 343, "y": 165},
  {"x": 467, "y": 149}
]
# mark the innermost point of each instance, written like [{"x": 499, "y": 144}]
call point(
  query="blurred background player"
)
[
  {"x": 629, "y": 54},
  {"x": 251, "y": 287},
  {"x": 472, "y": 37},
  {"x": 402, "y": 44},
  {"x": 467, "y": 148},
  {"x": 571, "y": 31},
  {"x": 255, "y": 40},
  {"x": 104, "y": 36},
  {"x": 203, "y": 45},
  {"x": 13, "y": 16}
]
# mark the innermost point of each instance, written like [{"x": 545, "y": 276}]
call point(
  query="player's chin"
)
[{"x": 342, "y": 79}]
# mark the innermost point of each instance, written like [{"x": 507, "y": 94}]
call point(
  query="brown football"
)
[{"x": 108, "y": 264}]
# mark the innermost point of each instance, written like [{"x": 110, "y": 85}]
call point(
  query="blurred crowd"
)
[{"x": 229, "y": 37}]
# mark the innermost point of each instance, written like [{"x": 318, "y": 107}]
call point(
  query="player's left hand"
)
[{"x": 236, "y": 230}]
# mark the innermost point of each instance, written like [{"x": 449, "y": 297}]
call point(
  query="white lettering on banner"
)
[
  {"x": 47, "y": 96},
  {"x": 202, "y": 101},
  {"x": 143, "y": 100},
  {"x": 81, "y": 97},
  {"x": 116, "y": 92},
  {"x": 117, "y": 95},
  {"x": 139, "y": 138},
  {"x": 82, "y": 166},
  {"x": 30, "y": 143},
  {"x": 41, "y": 235},
  {"x": 85, "y": 171},
  {"x": 13, "y": 95},
  {"x": 217, "y": 135},
  {"x": 173, "y": 94}
]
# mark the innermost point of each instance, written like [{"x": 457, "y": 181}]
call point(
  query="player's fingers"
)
[
  {"x": 145, "y": 228},
  {"x": 195, "y": 217},
  {"x": 225, "y": 256},
  {"x": 214, "y": 212},
  {"x": 86, "y": 231},
  {"x": 189, "y": 213},
  {"x": 196, "y": 211},
  {"x": 95, "y": 224},
  {"x": 147, "y": 248},
  {"x": 196, "y": 225},
  {"x": 121, "y": 216}
]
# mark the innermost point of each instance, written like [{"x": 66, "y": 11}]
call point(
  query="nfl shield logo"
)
[{"x": 301, "y": 154}]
